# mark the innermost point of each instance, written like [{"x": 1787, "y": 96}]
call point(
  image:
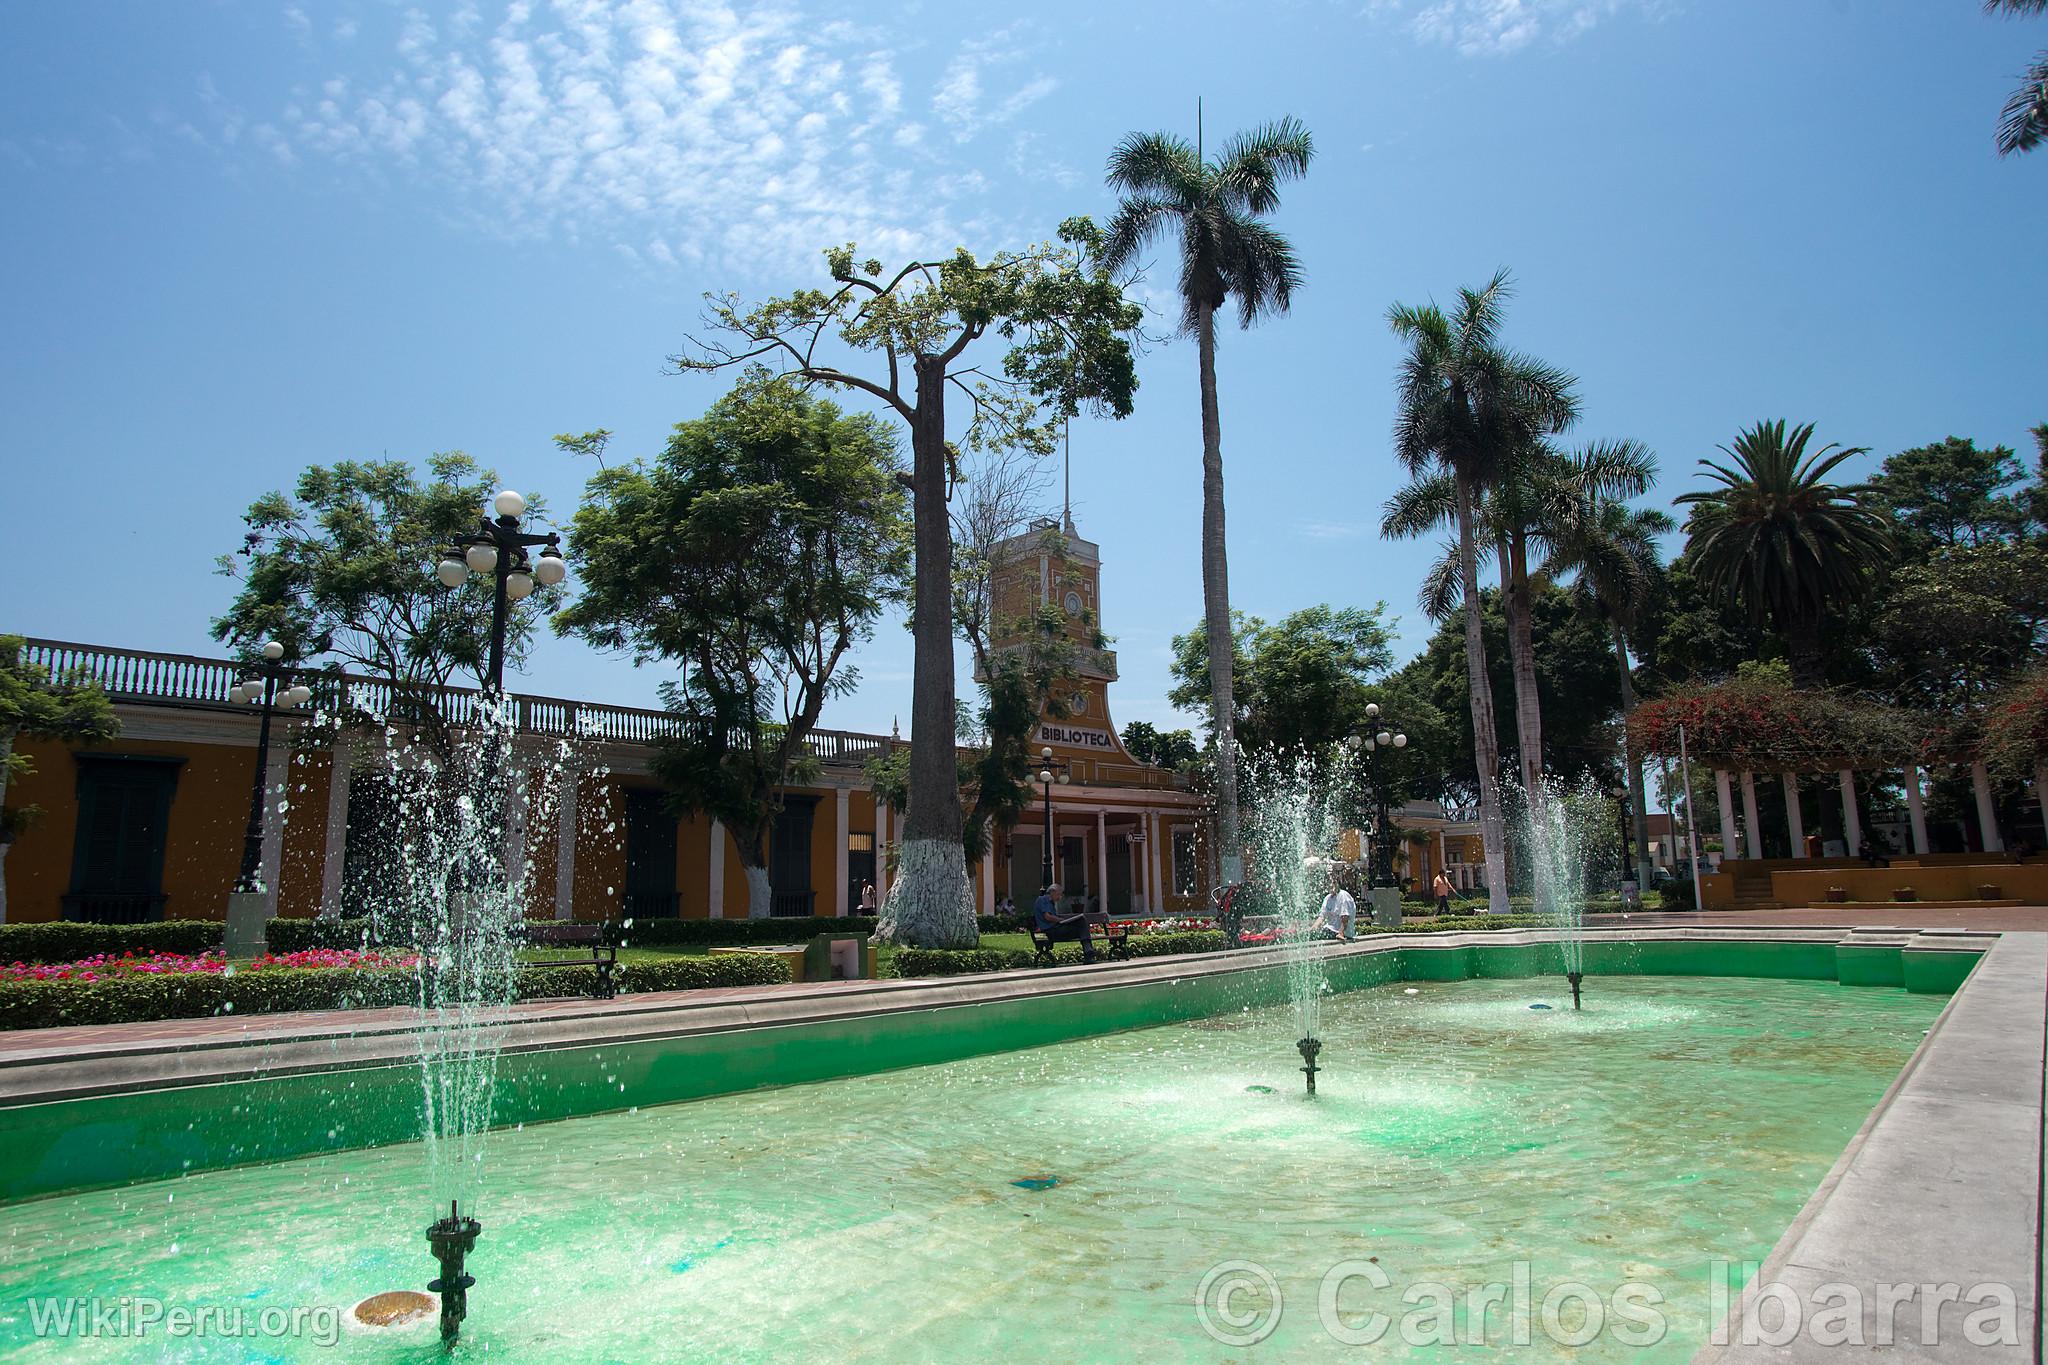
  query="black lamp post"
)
[
  {"x": 499, "y": 548},
  {"x": 1049, "y": 775},
  {"x": 269, "y": 691},
  {"x": 1380, "y": 868}
]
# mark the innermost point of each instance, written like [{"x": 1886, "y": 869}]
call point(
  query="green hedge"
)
[
  {"x": 974, "y": 961},
  {"x": 295, "y": 935},
  {"x": 51, "y": 1004},
  {"x": 1677, "y": 895},
  {"x": 70, "y": 940}
]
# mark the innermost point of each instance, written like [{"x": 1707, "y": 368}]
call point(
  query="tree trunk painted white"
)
[
  {"x": 760, "y": 896},
  {"x": 1725, "y": 790},
  {"x": 929, "y": 897},
  {"x": 1852, "y": 819},
  {"x": 1216, "y": 605},
  {"x": 1755, "y": 838},
  {"x": 1485, "y": 745},
  {"x": 1916, "y": 809},
  {"x": 987, "y": 889},
  {"x": 715, "y": 897},
  {"x": 1987, "y": 810},
  {"x": 1795, "y": 825}
]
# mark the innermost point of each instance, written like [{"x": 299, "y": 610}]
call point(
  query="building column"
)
[
  {"x": 1102, "y": 861},
  {"x": 1155, "y": 858},
  {"x": 1754, "y": 841},
  {"x": 512, "y": 837},
  {"x": 884, "y": 817},
  {"x": 1795, "y": 824},
  {"x": 341, "y": 764},
  {"x": 1724, "y": 791},
  {"x": 1987, "y": 809},
  {"x": 840, "y": 870},
  {"x": 1852, "y": 819},
  {"x": 987, "y": 899},
  {"x": 565, "y": 846},
  {"x": 716, "y": 900},
  {"x": 1916, "y": 809},
  {"x": 277, "y": 771}
]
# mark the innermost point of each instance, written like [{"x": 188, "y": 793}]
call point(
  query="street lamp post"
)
[
  {"x": 1382, "y": 736},
  {"x": 1049, "y": 775},
  {"x": 499, "y": 548},
  {"x": 269, "y": 692},
  {"x": 249, "y": 903}
]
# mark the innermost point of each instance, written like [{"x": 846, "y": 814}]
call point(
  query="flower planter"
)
[
  {"x": 1838, "y": 893},
  {"x": 1990, "y": 893},
  {"x": 1905, "y": 893}
]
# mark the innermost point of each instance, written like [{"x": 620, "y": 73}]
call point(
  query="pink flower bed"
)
[{"x": 107, "y": 967}]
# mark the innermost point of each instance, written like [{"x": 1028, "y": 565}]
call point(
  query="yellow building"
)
[{"x": 151, "y": 825}]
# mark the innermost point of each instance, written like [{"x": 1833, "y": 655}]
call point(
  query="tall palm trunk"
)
[
  {"x": 1485, "y": 745},
  {"x": 931, "y": 904},
  {"x": 1637, "y": 804},
  {"x": 1522, "y": 654},
  {"x": 1802, "y": 651},
  {"x": 1216, "y": 603}
]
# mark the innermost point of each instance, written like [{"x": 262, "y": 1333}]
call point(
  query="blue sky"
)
[{"x": 244, "y": 237}]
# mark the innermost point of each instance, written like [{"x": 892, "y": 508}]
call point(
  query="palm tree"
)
[
  {"x": 1786, "y": 545},
  {"x": 1226, "y": 252},
  {"x": 2023, "y": 124},
  {"x": 1466, "y": 406},
  {"x": 1609, "y": 551}
]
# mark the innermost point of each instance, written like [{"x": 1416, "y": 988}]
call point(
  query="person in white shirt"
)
[{"x": 1340, "y": 911}]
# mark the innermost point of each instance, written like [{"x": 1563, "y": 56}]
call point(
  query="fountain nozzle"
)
[
  {"x": 1575, "y": 978},
  {"x": 452, "y": 1238},
  {"x": 1309, "y": 1048}
]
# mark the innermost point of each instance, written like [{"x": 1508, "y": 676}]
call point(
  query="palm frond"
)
[
  {"x": 1253, "y": 165},
  {"x": 1418, "y": 508},
  {"x": 2023, "y": 123},
  {"x": 1157, "y": 164}
]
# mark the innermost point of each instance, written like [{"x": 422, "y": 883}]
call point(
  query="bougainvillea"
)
[
  {"x": 109, "y": 967},
  {"x": 1760, "y": 722},
  {"x": 2013, "y": 738}
]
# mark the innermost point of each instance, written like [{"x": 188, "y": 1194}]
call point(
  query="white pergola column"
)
[
  {"x": 1852, "y": 819},
  {"x": 716, "y": 899},
  {"x": 1795, "y": 824},
  {"x": 1102, "y": 860},
  {"x": 1987, "y": 810},
  {"x": 565, "y": 846},
  {"x": 840, "y": 869},
  {"x": 1916, "y": 808},
  {"x": 1724, "y": 790},
  {"x": 277, "y": 768},
  {"x": 335, "y": 862},
  {"x": 1754, "y": 826}
]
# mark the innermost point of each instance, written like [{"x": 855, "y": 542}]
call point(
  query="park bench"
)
[
  {"x": 1113, "y": 936},
  {"x": 589, "y": 939}
]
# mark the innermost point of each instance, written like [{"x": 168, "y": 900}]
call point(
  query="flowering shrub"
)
[{"x": 107, "y": 967}]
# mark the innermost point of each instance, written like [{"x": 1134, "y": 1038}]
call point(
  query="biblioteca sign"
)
[{"x": 1076, "y": 738}]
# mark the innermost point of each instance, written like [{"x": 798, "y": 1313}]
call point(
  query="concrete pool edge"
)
[
  {"x": 95, "y": 1117},
  {"x": 1942, "y": 1186}
]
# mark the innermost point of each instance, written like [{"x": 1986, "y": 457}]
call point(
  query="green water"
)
[{"x": 1675, "y": 1123}]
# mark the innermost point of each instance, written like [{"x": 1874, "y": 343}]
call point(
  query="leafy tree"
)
[
  {"x": 342, "y": 570},
  {"x": 1301, "y": 685},
  {"x": 1690, "y": 634},
  {"x": 36, "y": 705},
  {"x": 909, "y": 339},
  {"x": 1466, "y": 406},
  {"x": 1790, "y": 547},
  {"x": 1165, "y": 748},
  {"x": 756, "y": 551},
  {"x": 1217, "y": 209},
  {"x": 1951, "y": 628},
  {"x": 1951, "y": 494},
  {"x": 2024, "y": 121}
]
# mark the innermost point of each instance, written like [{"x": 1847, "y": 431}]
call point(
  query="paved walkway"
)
[{"x": 1990, "y": 919}]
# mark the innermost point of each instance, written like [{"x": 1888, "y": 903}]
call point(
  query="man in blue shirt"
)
[{"x": 1058, "y": 928}]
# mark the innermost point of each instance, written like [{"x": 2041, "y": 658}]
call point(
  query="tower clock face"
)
[{"x": 1073, "y": 603}]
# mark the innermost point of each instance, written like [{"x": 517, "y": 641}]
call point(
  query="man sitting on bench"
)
[{"x": 1057, "y": 928}]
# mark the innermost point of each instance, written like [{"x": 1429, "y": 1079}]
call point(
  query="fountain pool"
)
[{"x": 1062, "y": 1201}]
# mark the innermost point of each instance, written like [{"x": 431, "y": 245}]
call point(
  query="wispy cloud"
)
[
  {"x": 676, "y": 130},
  {"x": 1491, "y": 28},
  {"x": 1331, "y": 530}
]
